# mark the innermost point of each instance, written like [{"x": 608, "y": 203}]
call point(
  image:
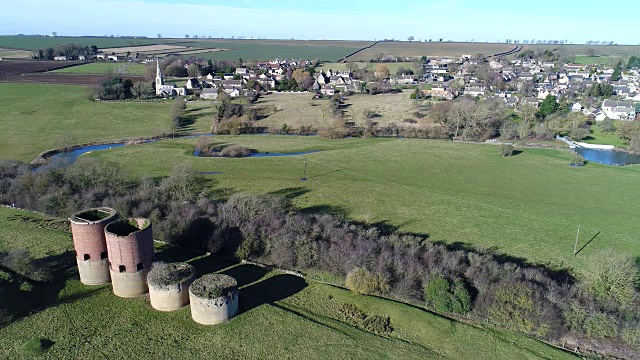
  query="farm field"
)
[
  {"x": 143, "y": 49},
  {"x": 15, "y": 54},
  {"x": 281, "y": 317},
  {"x": 105, "y": 68},
  {"x": 41, "y": 72},
  {"x": 417, "y": 49},
  {"x": 272, "y": 49},
  {"x": 29, "y": 128},
  {"x": 38, "y": 42},
  {"x": 393, "y": 66},
  {"x": 581, "y": 49},
  {"x": 527, "y": 206}
]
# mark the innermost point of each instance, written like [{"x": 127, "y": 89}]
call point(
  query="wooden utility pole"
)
[
  {"x": 304, "y": 175},
  {"x": 575, "y": 246}
]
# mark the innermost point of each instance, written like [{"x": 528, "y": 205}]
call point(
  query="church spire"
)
[{"x": 159, "y": 79}]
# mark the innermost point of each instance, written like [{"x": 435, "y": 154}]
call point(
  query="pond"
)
[{"x": 608, "y": 157}]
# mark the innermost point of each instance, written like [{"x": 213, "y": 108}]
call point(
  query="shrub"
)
[
  {"x": 611, "y": 276},
  {"x": 235, "y": 151},
  {"x": 351, "y": 313},
  {"x": 577, "y": 160},
  {"x": 506, "y": 149},
  {"x": 520, "y": 306},
  {"x": 354, "y": 315},
  {"x": 631, "y": 335},
  {"x": 461, "y": 300},
  {"x": 378, "y": 324},
  {"x": 446, "y": 297},
  {"x": 601, "y": 326},
  {"x": 361, "y": 281},
  {"x": 437, "y": 293}
]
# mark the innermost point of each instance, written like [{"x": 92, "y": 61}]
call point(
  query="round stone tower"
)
[
  {"x": 87, "y": 228},
  {"x": 130, "y": 248},
  {"x": 169, "y": 285},
  {"x": 213, "y": 299}
]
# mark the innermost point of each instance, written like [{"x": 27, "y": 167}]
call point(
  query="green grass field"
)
[
  {"x": 598, "y": 60},
  {"x": 603, "y": 138},
  {"x": 41, "y": 117},
  {"x": 581, "y": 49},
  {"x": 528, "y": 206},
  {"x": 281, "y": 317},
  {"x": 37, "y": 42},
  {"x": 104, "y": 68}
]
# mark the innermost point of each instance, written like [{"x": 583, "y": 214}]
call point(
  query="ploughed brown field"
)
[{"x": 36, "y": 72}]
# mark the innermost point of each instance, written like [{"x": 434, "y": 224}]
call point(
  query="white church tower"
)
[{"x": 159, "y": 79}]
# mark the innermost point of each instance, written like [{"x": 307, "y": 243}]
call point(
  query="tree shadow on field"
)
[
  {"x": 326, "y": 209},
  {"x": 211, "y": 264},
  {"x": 290, "y": 193},
  {"x": 245, "y": 274},
  {"x": 25, "y": 294},
  {"x": 276, "y": 288},
  {"x": 176, "y": 254}
]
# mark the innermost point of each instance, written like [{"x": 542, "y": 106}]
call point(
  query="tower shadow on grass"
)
[
  {"x": 246, "y": 273},
  {"x": 210, "y": 264},
  {"x": 275, "y": 288}
]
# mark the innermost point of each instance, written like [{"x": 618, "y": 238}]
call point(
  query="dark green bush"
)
[
  {"x": 506, "y": 149},
  {"x": 447, "y": 297},
  {"x": 378, "y": 324},
  {"x": 355, "y": 316}
]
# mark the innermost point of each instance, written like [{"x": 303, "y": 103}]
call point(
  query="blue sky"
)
[{"x": 458, "y": 20}]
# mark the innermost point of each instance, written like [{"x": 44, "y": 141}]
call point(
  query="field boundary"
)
[{"x": 344, "y": 58}]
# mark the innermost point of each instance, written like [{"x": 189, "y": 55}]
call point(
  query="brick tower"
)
[
  {"x": 130, "y": 248},
  {"x": 87, "y": 228}
]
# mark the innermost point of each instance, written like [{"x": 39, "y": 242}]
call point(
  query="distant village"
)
[{"x": 598, "y": 91}]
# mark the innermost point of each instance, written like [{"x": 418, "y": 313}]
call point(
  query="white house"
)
[
  {"x": 60, "y": 58},
  {"x": 327, "y": 90},
  {"x": 474, "y": 91},
  {"x": 209, "y": 94},
  {"x": 576, "y": 107},
  {"x": 619, "y": 110},
  {"x": 192, "y": 83}
]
